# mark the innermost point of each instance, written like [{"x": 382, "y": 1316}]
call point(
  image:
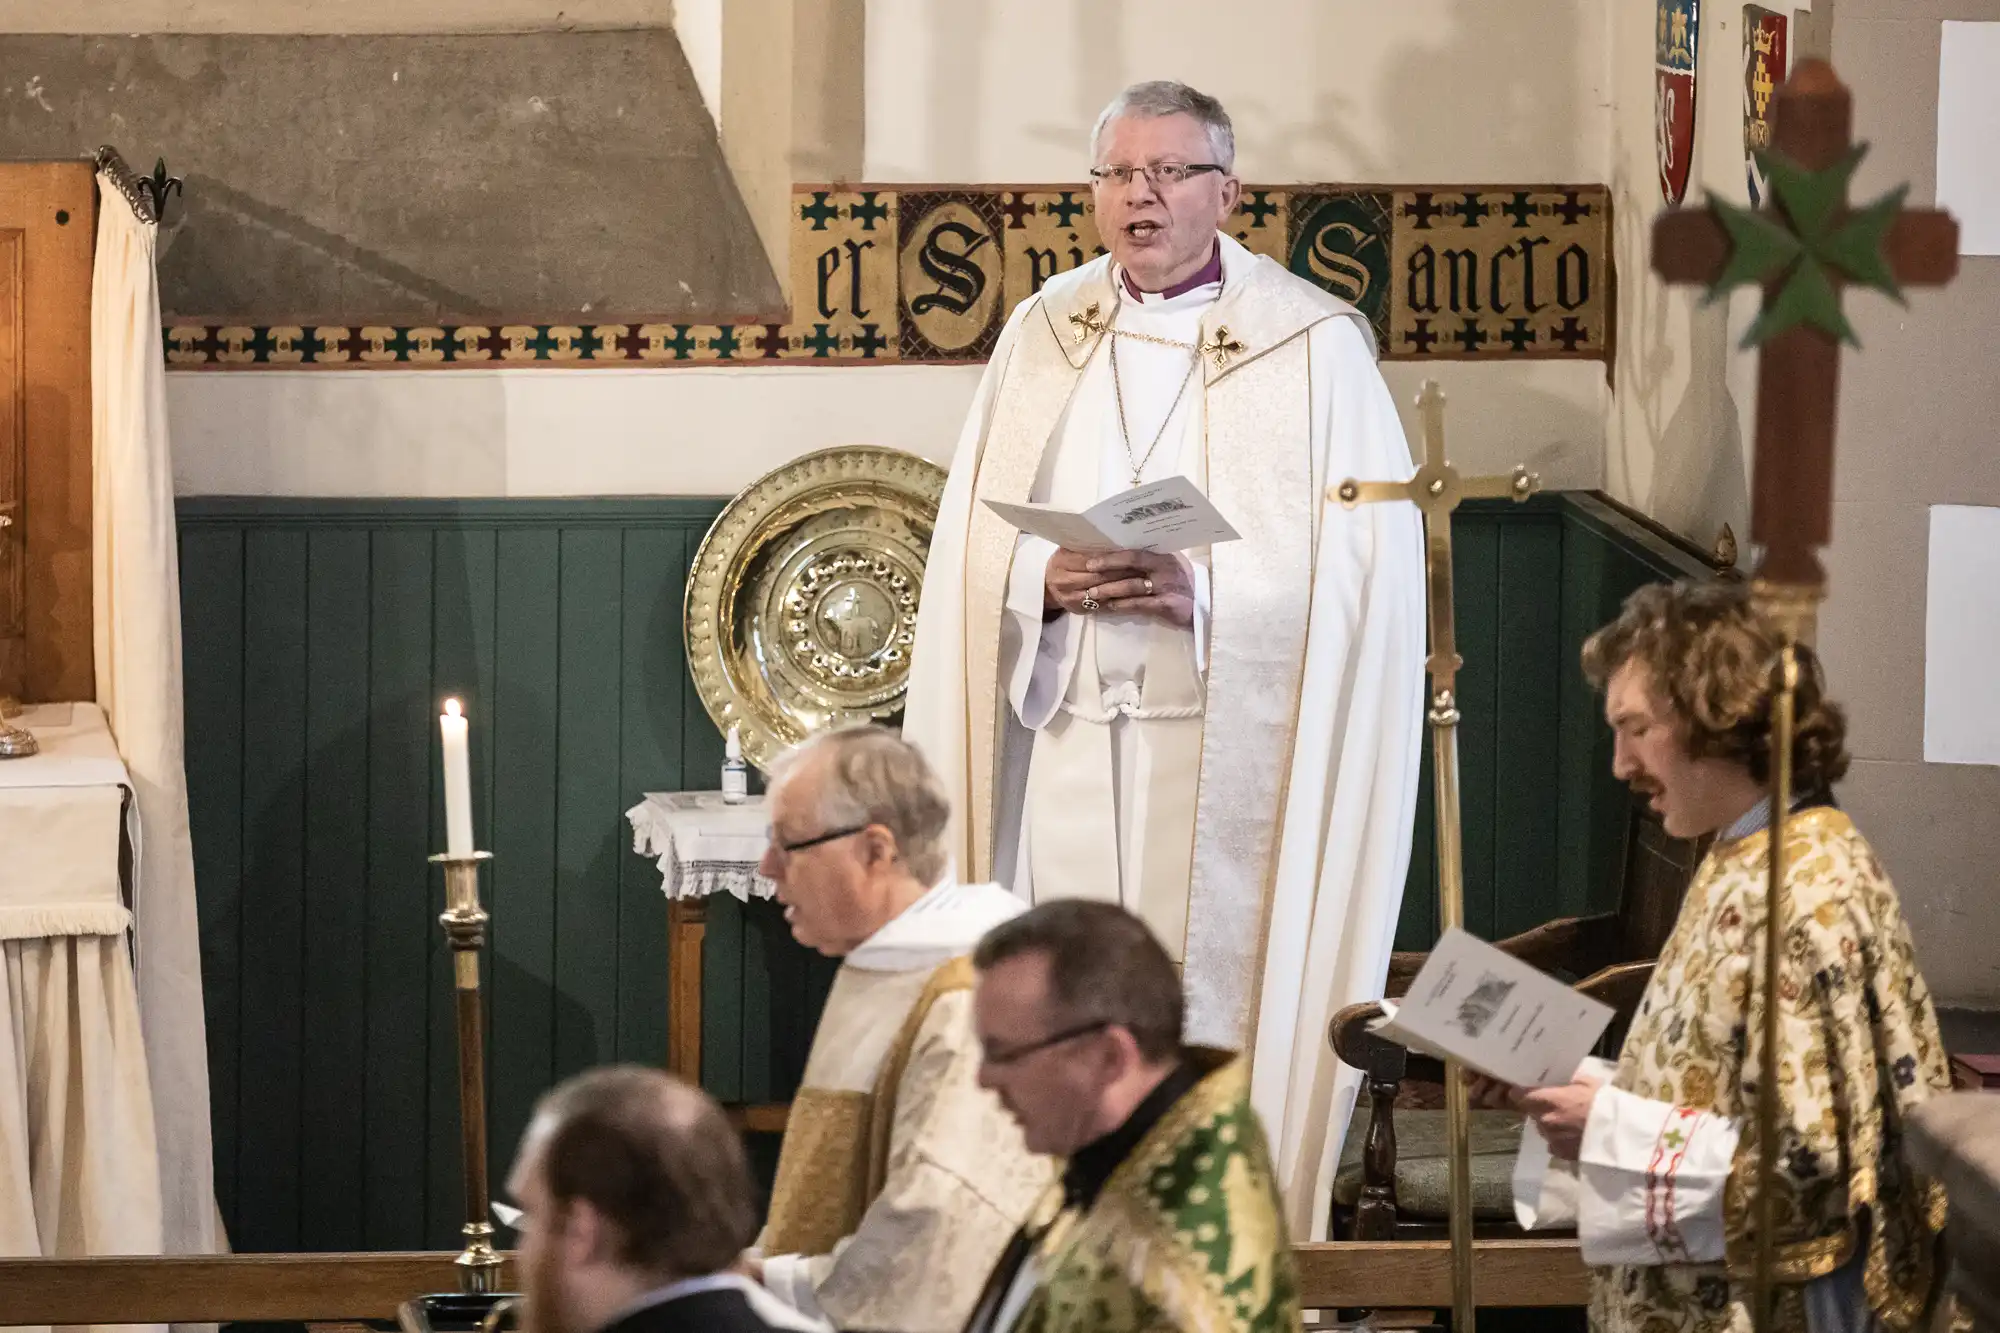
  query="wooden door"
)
[{"x": 48, "y": 224}]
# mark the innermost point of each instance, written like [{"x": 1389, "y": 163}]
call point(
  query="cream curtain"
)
[
  {"x": 138, "y": 643},
  {"x": 76, "y": 1125}
]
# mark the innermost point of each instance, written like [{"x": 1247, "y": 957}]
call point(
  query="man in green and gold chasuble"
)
[
  {"x": 1167, "y": 1218},
  {"x": 1665, "y": 1152},
  {"x": 1223, "y": 740}
]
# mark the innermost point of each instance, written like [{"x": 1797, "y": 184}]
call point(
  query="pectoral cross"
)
[
  {"x": 1803, "y": 250},
  {"x": 1436, "y": 490}
]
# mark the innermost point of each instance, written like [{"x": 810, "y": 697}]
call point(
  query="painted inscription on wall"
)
[{"x": 929, "y": 275}]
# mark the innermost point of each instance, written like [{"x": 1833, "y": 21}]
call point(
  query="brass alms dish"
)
[{"x": 801, "y": 607}]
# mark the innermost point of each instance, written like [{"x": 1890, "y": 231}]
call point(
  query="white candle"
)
[{"x": 457, "y": 783}]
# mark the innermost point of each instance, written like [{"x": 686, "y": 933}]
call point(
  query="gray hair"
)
[
  {"x": 1164, "y": 97},
  {"x": 873, "y": 776}
]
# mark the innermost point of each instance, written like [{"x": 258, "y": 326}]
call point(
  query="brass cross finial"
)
[
  {"x": 1088, "y": 323},
  {"x": 1221, "y": 346},
  {"x": 1435, "y": 489}
]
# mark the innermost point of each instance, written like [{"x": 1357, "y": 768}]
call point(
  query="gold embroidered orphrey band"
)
[{"x": 884, "y": 275}]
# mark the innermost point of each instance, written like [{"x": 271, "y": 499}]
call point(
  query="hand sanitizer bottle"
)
[{"x": 735, "y": 775}]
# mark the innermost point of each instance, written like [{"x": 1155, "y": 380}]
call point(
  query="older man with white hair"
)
[
  {"x": 900, "y": 1179},
  {"x": 1224, "y": 741}
]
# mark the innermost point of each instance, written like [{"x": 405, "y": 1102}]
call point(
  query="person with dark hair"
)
[
  {"x": 635, "y": 1203},
  {"x": 900, "y": 1179},
  {"x": 1666, "y": 1150},
  {"x": 1168, "y": 1215}
]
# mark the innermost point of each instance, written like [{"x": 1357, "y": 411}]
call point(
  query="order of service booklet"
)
[
  {"x": 1494, "y": 1014},
  {"x": 1161, "y": 516}
]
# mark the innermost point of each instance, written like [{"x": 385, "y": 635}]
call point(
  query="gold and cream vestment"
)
[
  {"x": 1248, "y": 788},
  {"x": 900, "y": 1178},
  {"x": 1665, "y": 1212}
]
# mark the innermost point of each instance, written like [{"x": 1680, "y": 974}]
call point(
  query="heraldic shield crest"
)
[
  {"x": 1678, "y": 30},
  {"x": 801, "y": 606},
  {"x": 1765, "y": 66}
]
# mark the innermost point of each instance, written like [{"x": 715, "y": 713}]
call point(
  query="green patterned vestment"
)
[{"x": 1188, "y": 1235}]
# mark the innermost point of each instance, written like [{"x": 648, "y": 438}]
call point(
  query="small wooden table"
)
[{"x": 705, "y": 846}]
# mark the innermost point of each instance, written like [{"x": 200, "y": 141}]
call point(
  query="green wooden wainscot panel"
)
[
  {"x": 1544, "y": 820},
  {"x": 321, "y": 637}
]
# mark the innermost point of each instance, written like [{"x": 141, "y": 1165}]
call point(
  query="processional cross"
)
[
  {"x": 1436, "y": 490},
  {"x": 1802, "y": 251}
]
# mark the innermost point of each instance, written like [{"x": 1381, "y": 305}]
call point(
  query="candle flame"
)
[{"x": 451, "y": 708}]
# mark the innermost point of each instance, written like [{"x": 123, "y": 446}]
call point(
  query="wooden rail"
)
[
  {"x": 332, "y": 1287},
  {"x": 204, "y": 1289},
  {"x": 1401, "y": 1274}
]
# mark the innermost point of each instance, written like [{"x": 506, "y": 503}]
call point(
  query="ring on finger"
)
[{"x": 1149, "y": 587}]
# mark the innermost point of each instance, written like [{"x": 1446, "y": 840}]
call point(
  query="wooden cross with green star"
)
[{"x": 1803, "y": 250}]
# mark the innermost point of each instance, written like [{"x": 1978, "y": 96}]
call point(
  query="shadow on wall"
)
[
  {"x": 1699, "y": 478},
  {"x": 1496, "y": 417},
  {"x": 1512, "y": 80},
  {"x": 1512, "y": 90},
  {"x": 230, "y": 242},
  {"x": 1686, "y": 459}
]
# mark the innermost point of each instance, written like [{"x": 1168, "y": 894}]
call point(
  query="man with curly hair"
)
[{"x": 1666, "y": 1150}]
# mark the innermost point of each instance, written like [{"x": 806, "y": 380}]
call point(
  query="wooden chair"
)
[{"x": 1395, "y": 1190}]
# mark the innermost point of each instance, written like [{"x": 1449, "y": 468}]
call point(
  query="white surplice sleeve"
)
[
  {"x": 1038, "y": 655},
  {"x": 1650, "y": 1181}
]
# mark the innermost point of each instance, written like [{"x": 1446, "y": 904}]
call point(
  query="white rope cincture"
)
[{"x": 1123, "y": 701}]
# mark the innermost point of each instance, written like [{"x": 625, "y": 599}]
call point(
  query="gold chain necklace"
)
[
  {"x": 1118, "y": 388},
  {"x": 1150, "y": 338},
  {"x": 1118, "y": 391}
]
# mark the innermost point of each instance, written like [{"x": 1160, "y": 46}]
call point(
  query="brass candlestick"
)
[
  {"x": 464, "y": 922},
  {"x": 15, "y": 742}
]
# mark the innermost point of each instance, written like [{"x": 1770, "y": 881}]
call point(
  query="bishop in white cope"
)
[{"x": 1224, "y": 741}]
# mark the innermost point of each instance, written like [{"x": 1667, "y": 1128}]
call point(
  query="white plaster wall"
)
[
  {"x": 679, "y": 432},
  {"x": 1319, "y": 90},
  {"x": 1681, "y": 410},
  {"x": 984, "y": 91},
  {"x": 542, "y": 432},
  {"x": 698, "y": 25}
]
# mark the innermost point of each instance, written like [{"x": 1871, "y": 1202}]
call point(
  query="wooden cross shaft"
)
[
  {"x": 1436, "y": 489},
  {"x": 1798, "y": 374}
]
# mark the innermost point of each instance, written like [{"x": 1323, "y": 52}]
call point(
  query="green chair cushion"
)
[{"x": 1422, "y": 1183}]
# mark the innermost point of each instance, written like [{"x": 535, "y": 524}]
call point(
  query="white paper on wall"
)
[
  {"x": 1962, "y": 637},
  {"x": 1968, "y": 151}
]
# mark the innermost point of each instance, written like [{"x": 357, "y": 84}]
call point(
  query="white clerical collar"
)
[
  {"x": 946, "y": 922},
  {"x": 1192, "y": 298}
]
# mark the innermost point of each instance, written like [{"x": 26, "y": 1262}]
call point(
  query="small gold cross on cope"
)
[
  {"x": 1088, "y": 323},
  {"x": 1436, "y": 490},
  {"x": 1221, "y": 346}
]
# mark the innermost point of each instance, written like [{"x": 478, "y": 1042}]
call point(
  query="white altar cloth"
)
[
  {"x": 79, "y": 1160},
  {"x": 60, "y": 815},
  {"x": 704, "y": 844}
]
